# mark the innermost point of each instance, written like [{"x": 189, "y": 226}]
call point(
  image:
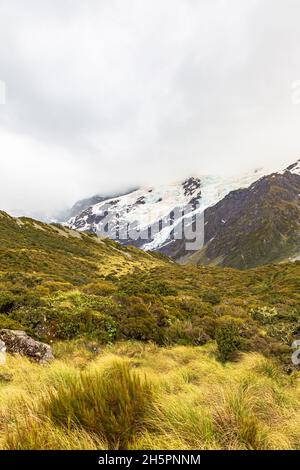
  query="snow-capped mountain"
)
[
  {"x": 144, "y": 206},
  {"x": 256, "y": 225},
  {"x": 149, "y": 205}
]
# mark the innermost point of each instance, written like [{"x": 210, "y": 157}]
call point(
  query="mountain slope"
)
[
  {"x": 252, "y": 226},
  {"x": 249, "y": 220},
  {"x": 31, "y": 246},
  {"x": 148, "y": 206}
]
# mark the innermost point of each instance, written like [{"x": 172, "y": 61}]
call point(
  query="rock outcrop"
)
[{"x": 18, "y": 342}]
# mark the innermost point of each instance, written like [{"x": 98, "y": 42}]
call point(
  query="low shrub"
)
[
  {"x": 211, "y": 297},
  {"x": 7, "y": 302},
  {"x": 100, "y": 288},
  {"x": 142, "y": 328},
  {"x": 137, "y": 286},
  {"x": 9, "y": 323},
  {"x": 264, "y": 315},
  {"x": 184, "y": 332},
  {"x": 194, "y": 307},
  {"x": 228, "y": 340},
  {"x": 61, "y": 323}
]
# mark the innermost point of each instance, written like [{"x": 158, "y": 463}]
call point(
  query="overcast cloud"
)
[{"x": 106, "y": 94}]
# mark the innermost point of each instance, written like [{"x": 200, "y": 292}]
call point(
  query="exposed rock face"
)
[{"x": 18, "y": 342}]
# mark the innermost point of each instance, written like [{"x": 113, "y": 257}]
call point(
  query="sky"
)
[{"x": 103, "y": 95}]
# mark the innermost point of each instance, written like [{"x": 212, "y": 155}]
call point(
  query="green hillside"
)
[
  {"x": 148, "y": 354},
  {"x": 58, "y": 284}
]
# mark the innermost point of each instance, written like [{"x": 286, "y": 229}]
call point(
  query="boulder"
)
[{"x": 18, "y": 342}]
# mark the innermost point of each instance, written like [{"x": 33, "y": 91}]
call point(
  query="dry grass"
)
[{"x": 140, "y": 396}]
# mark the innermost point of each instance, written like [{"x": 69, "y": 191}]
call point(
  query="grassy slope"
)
[
  {"x": 60, "y": 285},
  {"x": 179, "y": 398},
  {"x": 31, "y": 246}
]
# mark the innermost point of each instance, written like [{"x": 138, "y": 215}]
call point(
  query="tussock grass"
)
[
  {"x": 139, "y": 396},
  {"x": 33, "y": 433},
  {"x": 111, "y": 403}
]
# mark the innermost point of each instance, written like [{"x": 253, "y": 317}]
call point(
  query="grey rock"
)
[{"x": 18, "y": 342}]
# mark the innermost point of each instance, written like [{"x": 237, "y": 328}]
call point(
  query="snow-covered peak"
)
[
  {"x": 145, "y": 205},
  {"x": 149, "y": 205}
]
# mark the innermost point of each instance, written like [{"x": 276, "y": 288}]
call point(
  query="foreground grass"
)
[{"x": 140, "y": 396}]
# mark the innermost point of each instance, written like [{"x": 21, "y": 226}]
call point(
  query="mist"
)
[{"x": 105, "y": 95}]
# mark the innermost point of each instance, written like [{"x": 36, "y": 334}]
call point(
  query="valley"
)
[{"x": 201, "y": 355}]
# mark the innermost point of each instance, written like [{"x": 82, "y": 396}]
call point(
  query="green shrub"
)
[
  {"x": 141, "y": 321},
  {"x": 7, "y": 323},
  {"x": 143, "y": 328},
  {"x": 137, "y": 286},
  {"x": 7, "y": 302},
  {"x": 211, "y": 297},
  {"x": 208, "y": 323},
  {"x": 61, "y": 323},
  {"x": 194, "y": 307},
  {"x": 228, "y": 340},
  {"x": 184, "y": 332},
  {"x": 55, "y": 286},
  {"x": 100, "y": 288}
]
